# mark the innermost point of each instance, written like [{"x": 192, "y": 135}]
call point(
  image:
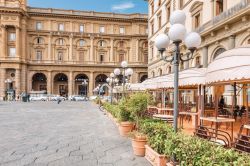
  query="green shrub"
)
[
  {"x": 112, "y": 109},
  {"x": 123, "y": 113},
  {"x": 137, "y": 105}
]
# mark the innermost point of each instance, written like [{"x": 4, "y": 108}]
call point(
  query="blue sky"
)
[{"x": 118, "y": 6}]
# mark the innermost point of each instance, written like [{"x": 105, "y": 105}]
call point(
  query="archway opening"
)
[
  {"x": 39, "y": 82},
  {"x": 81, "y": 84},
  {"x": 143, "y": 78},
  {"x": 61, "y": 84},
  {"x": 100, "y": 80}
]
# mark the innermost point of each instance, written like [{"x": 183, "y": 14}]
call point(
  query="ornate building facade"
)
[
  {"x": 55, "y": 50},
  {"x": 222, "y": 24}
]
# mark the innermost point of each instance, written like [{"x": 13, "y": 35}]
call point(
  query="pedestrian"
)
[
  {"x": 58, "y": 100},
  {"x": 28, "y": 97}
]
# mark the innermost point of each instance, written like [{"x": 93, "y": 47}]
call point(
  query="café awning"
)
[{"x": 231, "y": 65}]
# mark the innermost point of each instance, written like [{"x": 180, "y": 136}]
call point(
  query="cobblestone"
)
[{"x": 68, "y": 134}]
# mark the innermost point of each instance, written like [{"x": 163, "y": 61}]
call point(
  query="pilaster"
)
[
  {"x": 205, "y": 56},
  {"x": 2, "y": 83}
]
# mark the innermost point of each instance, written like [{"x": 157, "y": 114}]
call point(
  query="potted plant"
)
[
  {"x": 137, "y": 106},
  {"x": 126, "y": 124}
]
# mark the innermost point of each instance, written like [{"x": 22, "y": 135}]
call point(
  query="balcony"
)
[{"x": 243, "y": 5}]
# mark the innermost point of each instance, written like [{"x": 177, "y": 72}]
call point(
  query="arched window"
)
[
  {"x": 198, "y": 61},
  {"x": 39, "y": 40},
  {"x": 159, "y": 72},
  {"x": 218, "y": 52},
  {"x": 153, "y": 74},
  {"x": 169, "y": 69},
  {"x": 143, "y": 78},
  {"x": 102, "y": 43},
  {"x": 60, "y": 41},
  {"x": 81, "y": 43}
]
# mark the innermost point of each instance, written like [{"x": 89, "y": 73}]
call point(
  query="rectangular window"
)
[
  {"x": 60, "y": 56},
  {"x": 197, "y": 20},
  {"x": 60, "y": 27},
  {"x": 168, "y": 12},
  {"x": 152, "y": 8},
  {"x": 81, "y": 28},
  {"x": 159, "y": 21},
  {"x": 39, "y": 55},
  {"x": 38, "y": 26},
  {"x": 122, "y": 30},
  {"x": 12, "y": 37},
  {"x": 101, "y": 58},
  {"x": 12, "y": 51},
  {"x": 152, "y": 28},
  {"x": 102, "y": 29},
  {"x": 181, "y": 4}
]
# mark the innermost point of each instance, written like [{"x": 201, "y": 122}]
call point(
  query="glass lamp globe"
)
[
  {"x": 130, "y": 71},
  {"x": 112, "y": 75},
  {"x": 124, "y": 64},
  {"x": 177, "y": 32},
  {"x": 193, "y": 40},
  {"x": 116, "y": 80},
  {"x": 178, "y": 17},
  {"x": 107, "y": 80},
  {"x": 162, "y": 41},
  {"x": 117, "y": 72}
]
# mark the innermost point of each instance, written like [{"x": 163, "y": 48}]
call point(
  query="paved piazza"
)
[{"x": 71, "y": 133}]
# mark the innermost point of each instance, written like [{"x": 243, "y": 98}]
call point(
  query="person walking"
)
[{"x": 59, "y": 100}]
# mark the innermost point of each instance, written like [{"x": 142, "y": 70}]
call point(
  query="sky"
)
[{"x": 117, "y": 6}]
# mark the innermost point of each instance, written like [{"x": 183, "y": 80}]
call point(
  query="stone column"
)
[
  {"x": 91, "y": 83},
  {"x": 18, "y": 82},
  {"x": 112, "y": 50},
  {"x": 49, "y": 47},
  {"x": 70, "y": 85},
  {"x": 2, "y": 83},
  {"x": 205, "y": 56},
  {"x": 24, "y": 44},
  {"x": 24, "y": 74},
  {"x": 49, "y": 83},
  {"x": 71, "y": 48},
  {"x": 18, "y": 42},
  {"x": 137, "y": 51},
  {"x": 91, "y": 58},
  {"x": 231, "y": 43},
  {"x": 4, "y": 41}
]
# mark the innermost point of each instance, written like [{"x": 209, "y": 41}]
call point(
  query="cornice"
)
[{"x": 12, "y": 11}]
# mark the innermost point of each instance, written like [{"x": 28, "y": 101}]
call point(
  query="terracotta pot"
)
[
  {"x": 125, "y": 128},
  {"x": 154, "y": 158},
  {"x": 138, "y": 145}
]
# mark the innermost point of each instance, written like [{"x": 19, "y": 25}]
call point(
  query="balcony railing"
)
[
  {"x": 57, "y": 62},
  {"x": 225, "y": 15},
  {"x": 86, "y": 13}
]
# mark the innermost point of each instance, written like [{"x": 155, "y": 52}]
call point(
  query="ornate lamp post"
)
[
  {"x": 177, "y": 33},
  {"x": 126, "y": 73},
  {"x": 112, "y": 81}
]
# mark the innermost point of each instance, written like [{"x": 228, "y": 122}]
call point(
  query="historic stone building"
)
[
  {"x": 56, "y": 49},
  {"x": 222, "y": 24}
]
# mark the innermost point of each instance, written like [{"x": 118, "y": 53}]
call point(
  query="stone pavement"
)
[{"x": 68, "y": 134}]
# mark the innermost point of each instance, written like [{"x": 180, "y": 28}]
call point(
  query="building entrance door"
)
[{"x": 63, "y": 89}]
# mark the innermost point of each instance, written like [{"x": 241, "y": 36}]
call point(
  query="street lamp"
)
[
  {"x": 177, "y": 33},
  {"x": 85, "y": 84},
  {"x": 126, "y": 73}
]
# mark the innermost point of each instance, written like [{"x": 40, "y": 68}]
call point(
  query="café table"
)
[
  {"x": 167, "y": 118},
  {"x": 165, "y": 111},
  {"x": 194, "y": 116},
  {"x": 218, "y": 120}
]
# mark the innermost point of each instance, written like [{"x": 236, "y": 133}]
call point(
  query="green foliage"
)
[
  {"x": 189, "y": 150},
  {"x": 112, "y": 109},
  {"x": 123, "y": 113},
  {"x": 137, "y": 105}
]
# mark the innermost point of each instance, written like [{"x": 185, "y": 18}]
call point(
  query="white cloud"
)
[{"x": 123, "y": 6}]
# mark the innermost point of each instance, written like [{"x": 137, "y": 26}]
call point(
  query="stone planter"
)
[
  {"x": 154, "y": 158},
  {"x": 138, "y": 145},
  {"x": 125, "y": 128}
]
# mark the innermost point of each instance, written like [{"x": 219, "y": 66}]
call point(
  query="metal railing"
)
[{"x": 225, "y": 15}]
